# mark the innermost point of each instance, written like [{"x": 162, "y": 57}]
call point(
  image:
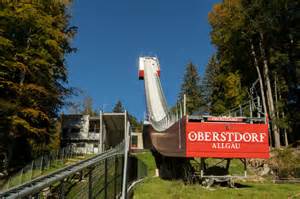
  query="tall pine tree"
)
[
  {"x": 118, "y": 108},
  {"x": 192, "y": 89},
  {"x": 213, "y": 87}
]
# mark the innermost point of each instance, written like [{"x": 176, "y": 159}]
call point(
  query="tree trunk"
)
[
  {"x": 260, "y": 83},
  {"x": 277, "y": 115},
  {"x": 269, "y": 93},
  {"x": 259, "y": 77},
  {"x": 276, "y": 96},
  {"x": 286, "y": 141}
]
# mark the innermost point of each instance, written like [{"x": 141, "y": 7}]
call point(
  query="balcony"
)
[{"x": 83, "y": 136}]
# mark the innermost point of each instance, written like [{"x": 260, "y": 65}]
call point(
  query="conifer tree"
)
[
  {"x": 191, "y": 88},
  {"x": 118, "y": 108},
  {"x": 212, "y": 87}
]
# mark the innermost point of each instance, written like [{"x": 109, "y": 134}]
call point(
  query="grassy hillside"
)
[{"x": 154, "y": 187}]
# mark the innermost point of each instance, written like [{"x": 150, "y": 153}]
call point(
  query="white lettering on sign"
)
[
  {"x": 226, "y": 145},
  {"x": 226, "y": 136},
  {"x": 192, "y": 136}
]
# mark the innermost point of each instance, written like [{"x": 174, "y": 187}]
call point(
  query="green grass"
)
[
  {"x": 158, "y": 188},
  {"x": 147, "y": 158},
  {"x": 154, "y": 187}
]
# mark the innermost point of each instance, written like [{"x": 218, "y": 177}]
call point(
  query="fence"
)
[
  {"x": 100, "y": 177},
  {"x": 250, "y": 109},
  {"x": 138, "y": 170},
  {"x": 43, "y": 165},
  {"x": 79, "y": 178},
  {"x": 102, "y": 180}
]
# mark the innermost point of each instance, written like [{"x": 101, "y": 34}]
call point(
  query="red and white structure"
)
[
  {"x": 198, "y": 136},
  {"x": 148, "y": 62},
  {"x": 176, "y": 134}
]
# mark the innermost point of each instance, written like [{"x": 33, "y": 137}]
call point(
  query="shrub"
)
[{"x": 285, "y": 163}]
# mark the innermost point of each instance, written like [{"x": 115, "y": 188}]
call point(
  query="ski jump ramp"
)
[
  {"x": 175, "y": 134},
  {"x": 156, "y": 102}
]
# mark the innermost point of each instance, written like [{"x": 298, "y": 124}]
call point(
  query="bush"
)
[{"x": 286, "y": 163}]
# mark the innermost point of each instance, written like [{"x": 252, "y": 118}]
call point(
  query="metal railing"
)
[
  {"x": 44, "y": 164},
  {"x": 250, "y": 109},
  {"x": 101, "y": 176},
  {"x": 104, "y": 180},
  {"x": 139, "y": 172},
  {"x": 83, "y": 136},
  {"x": 97, "y": 177}
]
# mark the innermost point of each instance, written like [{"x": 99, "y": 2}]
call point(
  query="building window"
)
[
  {"x": 80, "y": 144},
  {"x": 65, "y": 130},
  {"x": 134, "y": 141},
  {"x": 75, "y": 130},
  {"x": 94, "y": 126},
  {"x": 96, "y": 145}
]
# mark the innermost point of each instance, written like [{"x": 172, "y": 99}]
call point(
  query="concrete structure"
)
[
  {"x": 88, "y": 134},
  {"x": 82, "y": 132}
]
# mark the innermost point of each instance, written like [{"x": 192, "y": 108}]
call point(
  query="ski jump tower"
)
[{"x": 175, "y": 137}]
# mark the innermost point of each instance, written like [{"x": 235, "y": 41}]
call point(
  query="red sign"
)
[{"x": 227, "y": 140}]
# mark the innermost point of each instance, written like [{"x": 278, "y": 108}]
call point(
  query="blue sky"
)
[{"x": 112, "y": 34}]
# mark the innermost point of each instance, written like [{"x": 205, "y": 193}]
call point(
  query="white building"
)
[
  {"x": 93, "y": 134},
  {"x": 82, "y": 132}
]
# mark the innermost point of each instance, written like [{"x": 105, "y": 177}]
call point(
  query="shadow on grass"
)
[
  {"x": 238, "y": 185},
  {"x": 227, "y": 185}
]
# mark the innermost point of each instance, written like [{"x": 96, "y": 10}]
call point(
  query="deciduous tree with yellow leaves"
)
[{"x": 34, "y": 38}]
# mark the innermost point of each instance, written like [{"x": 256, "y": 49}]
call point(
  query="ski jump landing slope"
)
[
  {"x": 162, "y": 131},
  {"x": 156, "y": 102}
]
